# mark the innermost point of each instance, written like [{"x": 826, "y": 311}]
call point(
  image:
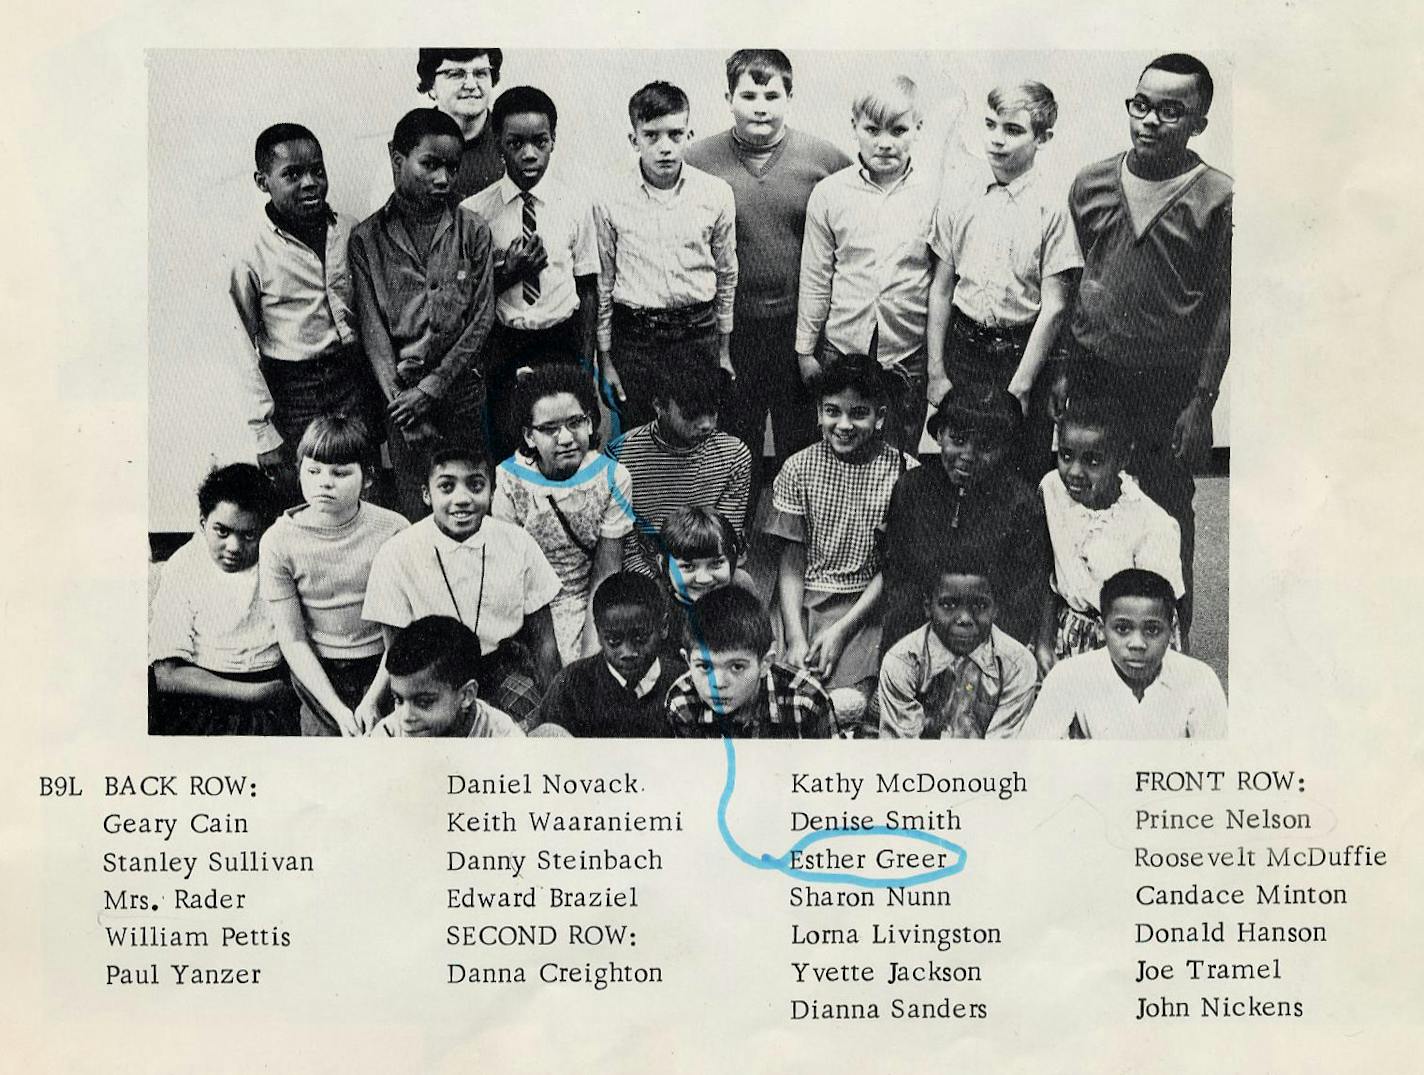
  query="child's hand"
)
[
  {"x": 346, "y": 721},
  {"x": 1043, "y": 653},
  {"x": 1021, "y": 392},
  {"x": 1191, "y": 436},
  {"x": 825, "y": 652},
  {"x": 366, "y": 716},
  {"x": 409, "y": 407},
  {"x": 1058, "y": 395},
  {"x": 794, "y": 654},
  {"x": 935, "y": 388},
  {"x": 610, "y": 377},
  {"x": 525, "y": 258},
  {"x": 272, "y": 463},
  {"x": 809, "y": 367}
]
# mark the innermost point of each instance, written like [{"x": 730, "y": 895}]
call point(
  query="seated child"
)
[
  {"x": 1136, "y": 687},
  {"x": 1099, "y": 522},
  {"x": 828, "y": 505},
  {"x": 680, "y": 459},
  {"x": 488, "y": 573},
  {"x": 423, "y": 282},
  {"x": 215, "y": 666},
  {"x": 700, "y": 554},
  {"x": 620, "y": 692},
  {"x": 576, "y": 503},
  {"x": 732, "y": 687},
  {"x": 292, "y": 293},
  {"x": 433, "y": 666},
  {"x": 972, "y": 505},
  {"x": 314, "y": 565},
  {"x": 958, "y": 676}
]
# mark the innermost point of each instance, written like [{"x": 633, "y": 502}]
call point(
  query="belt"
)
[
  {"x": 984, "y": 335},
  {"x": 660, "y": 318}
]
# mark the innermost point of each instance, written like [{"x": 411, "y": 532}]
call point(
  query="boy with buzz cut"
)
[
  {"x": 1152, "y": 325},
  {"x": 958, "y": 676},
  {"x": 1136, "y": 687},
  {"x": 1003, "y": 284},
  {"x": 866, "y": 262},
  {"x": 545, "y": 258},
  {"x": 620, "y": 691},
  {"x": 667, "y": 247},
  {"x": 680, "y": 459},
  {"x": 771, "y": 169},
  {"x": 434, "y": 666},
  {"x": 733, "y": 688},
  {"x": 292, "y": 293},
  {"x": 216, "y": 668},
  {"x": 489, "y": 574},
  {"x": 425, "y": 300}
]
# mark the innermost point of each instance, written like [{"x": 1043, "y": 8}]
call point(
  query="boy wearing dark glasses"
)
[{"x": 1152, "y": 327}]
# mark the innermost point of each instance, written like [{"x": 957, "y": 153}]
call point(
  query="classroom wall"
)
[{"x": 207, "y": 106}]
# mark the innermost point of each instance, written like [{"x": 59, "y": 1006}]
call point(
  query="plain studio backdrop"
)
[{"x": 206, "y": 108}]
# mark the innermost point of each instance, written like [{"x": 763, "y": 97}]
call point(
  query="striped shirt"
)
[
  {"x": 836, "y": 509},
  {"x": 792, "y": 704},
  {"x": 666, "y": 249},
  {"x": 714, "y": 474}
]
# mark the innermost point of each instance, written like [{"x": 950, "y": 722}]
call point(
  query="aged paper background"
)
[{"x": 1325, "y": 591}]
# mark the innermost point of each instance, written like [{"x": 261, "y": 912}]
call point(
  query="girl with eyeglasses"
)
[{"x": 575, "y": 502}]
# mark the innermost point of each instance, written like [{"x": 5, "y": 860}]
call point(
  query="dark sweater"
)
[
  {"x": 1000, "y": 522},
  {"x": 771, "y": 213},
  {"x": 588, "y": 702},
  {"x": 1155, "y": 301}
]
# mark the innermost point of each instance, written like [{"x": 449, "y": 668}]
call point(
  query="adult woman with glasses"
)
[{"x": 575, "y": 502}]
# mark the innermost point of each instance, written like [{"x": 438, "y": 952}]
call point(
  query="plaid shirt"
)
[
  {"x": 836, "y": 509},
  {"x": 792, "y": 705}
]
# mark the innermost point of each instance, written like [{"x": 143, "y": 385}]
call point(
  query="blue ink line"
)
[{"x": 782, "y": 863}]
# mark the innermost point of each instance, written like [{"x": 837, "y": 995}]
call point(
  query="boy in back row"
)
[
  {"x": 292, "y": 292},
  {"x": 545, "y": 259},
  {"x": 865, "y": 261},
  {"x": 1003, "y": 284},
  {"x": 424, "y": 295},
  {"x": 667, "y": 245},
  {"x": 772, "y": 169}
]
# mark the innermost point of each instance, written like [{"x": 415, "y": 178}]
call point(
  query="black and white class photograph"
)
[{"x": 729, "y": 392}]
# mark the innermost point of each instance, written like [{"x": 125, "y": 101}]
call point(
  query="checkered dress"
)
[
  {"x": 793, "y": 705},
  {"x": 836, "y": 509}
]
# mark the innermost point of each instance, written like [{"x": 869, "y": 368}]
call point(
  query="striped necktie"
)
[{"x": 531, "y": 286}]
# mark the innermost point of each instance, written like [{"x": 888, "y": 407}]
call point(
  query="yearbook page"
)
[{"x": 918, "y": 499}]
